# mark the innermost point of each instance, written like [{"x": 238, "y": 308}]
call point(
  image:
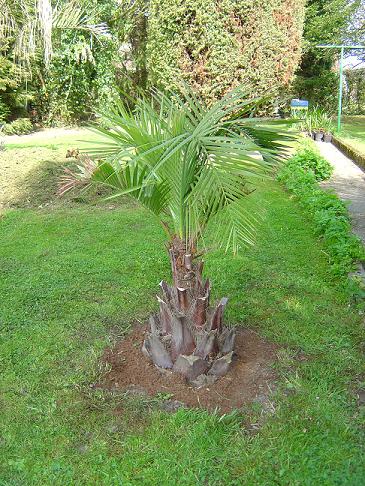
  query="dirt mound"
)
[{"x": 250, "y": 378}]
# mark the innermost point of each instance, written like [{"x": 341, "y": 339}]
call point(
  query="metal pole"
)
[
  {"x": 340, "y": 92},
  {"x": 340, "y": 89}
]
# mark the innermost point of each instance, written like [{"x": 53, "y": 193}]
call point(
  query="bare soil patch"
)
[{"x": 251, "y": 378}]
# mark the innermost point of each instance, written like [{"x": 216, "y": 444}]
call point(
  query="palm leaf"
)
[
  {"x": 198, "y": 165},
  {"x": 33, "y": 24}
]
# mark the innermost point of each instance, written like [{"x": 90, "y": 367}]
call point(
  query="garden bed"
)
[{"x": 251, "y": 377}]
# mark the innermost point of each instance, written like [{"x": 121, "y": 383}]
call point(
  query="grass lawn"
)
[
  {"x": 353, "y": 133},
  {"x": 74, "y": 277},
  {"x": 31, "y": 165}
]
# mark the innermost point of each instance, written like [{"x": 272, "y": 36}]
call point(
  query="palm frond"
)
[
  {"x": 33, "y": 24},
  {"x": 196, "y": 164},
  {"x": 72, "y": 16},
  {"x": 78, "y": 177}
]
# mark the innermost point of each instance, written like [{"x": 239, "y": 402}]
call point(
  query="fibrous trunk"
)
[{"x": 187, "y": 335}]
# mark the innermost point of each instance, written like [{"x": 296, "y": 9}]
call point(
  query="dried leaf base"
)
[{"x": 187, "y": 336}]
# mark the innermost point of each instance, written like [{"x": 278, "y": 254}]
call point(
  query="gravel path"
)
[{"x": 348, "y": 181}]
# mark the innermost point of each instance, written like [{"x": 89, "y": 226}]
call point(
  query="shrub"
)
[
  {"x": 308, "y": 161},
  {"x": 330, "y": 215},
  {"x": 4, "y": 111},
  {"x": 21, "y": 126},
  {"x": 215, "y": 46}
]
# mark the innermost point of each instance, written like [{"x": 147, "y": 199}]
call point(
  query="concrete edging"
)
[{"x": 349, "y": 152}]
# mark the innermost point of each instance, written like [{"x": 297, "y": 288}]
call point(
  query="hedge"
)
[{"x": 215, "y": 46}]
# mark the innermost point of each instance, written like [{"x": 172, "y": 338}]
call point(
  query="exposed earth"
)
[{"x": 251, "y": 378}]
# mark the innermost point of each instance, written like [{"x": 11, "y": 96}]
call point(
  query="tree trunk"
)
[{"x": 187, "y": 335}]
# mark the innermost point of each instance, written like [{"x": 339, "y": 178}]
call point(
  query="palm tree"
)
[
  {"x": 30, "y": 26},
  {"x": 190, "y": 165}
]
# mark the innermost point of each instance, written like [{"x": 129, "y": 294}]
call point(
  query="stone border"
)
[{"x": 349, "y": 152}]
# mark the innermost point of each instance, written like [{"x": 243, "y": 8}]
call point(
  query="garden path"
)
[{"x": 348, "y": 181}]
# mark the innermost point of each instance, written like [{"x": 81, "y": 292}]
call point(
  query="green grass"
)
[
  {"x": 31, "y": 166},
  {"x": 353, "y": 133},
  {"x": 74, "y": 278},
  {"x": 53, "y": 139}
]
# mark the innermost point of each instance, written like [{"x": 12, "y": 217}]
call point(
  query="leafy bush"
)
[
  {"x": 308, "y": 161},
  {"x": 4, "y": 111},
  {"x": 21, "y": 126},
  {"x": 9, "y": 88},
  {"x": 330, "y": 214},
  {"x": 215, "y": 46}
]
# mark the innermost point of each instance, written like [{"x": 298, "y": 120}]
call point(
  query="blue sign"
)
[{"x": 296, "y": 103}]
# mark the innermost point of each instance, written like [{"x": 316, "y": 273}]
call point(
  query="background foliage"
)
[
  {"x": 213, "y": 46},
  {"x": 326, "y": 22},
  {"x": 354, "y": 98},
  {"x": 84, "y": 72},
  {"x": 216, "y": 46}
]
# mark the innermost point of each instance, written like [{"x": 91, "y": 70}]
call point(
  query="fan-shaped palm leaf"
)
[{"x": 207, "y": 159}]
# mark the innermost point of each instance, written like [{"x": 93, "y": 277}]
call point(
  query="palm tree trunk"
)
[{"x": 187, "y": 335}]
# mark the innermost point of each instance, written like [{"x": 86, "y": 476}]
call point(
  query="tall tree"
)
[
  {"x": 357, "y": 27},
  {"x": 326, "y": 22}
]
